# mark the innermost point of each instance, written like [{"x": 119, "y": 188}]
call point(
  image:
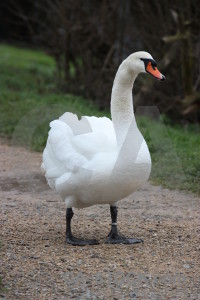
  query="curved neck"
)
[{"x": 122, "y": 102}]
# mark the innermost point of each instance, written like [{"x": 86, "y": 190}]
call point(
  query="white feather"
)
[{"x": 96, "y": 160}]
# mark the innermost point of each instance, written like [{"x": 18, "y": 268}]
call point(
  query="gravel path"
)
[{"x": 37, "y": 264}]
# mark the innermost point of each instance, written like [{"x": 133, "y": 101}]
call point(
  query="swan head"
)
[{"x": 143, "y": 62}]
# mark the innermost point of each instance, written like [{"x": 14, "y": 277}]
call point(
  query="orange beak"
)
[{"x": 154, "y": 71}]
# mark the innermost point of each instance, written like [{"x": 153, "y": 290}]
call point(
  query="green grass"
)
[
  {"x": 175, "y": 153},
  {"x": 29, "y": 100}
]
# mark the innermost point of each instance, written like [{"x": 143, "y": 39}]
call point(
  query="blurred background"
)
[
  {"x": 59, "y": 55},
  {"x": 89, "y": 39}
]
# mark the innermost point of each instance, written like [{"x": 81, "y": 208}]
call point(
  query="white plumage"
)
[
  {"x": 96, "y": 160},
  {"x": 82, "y": 167}
]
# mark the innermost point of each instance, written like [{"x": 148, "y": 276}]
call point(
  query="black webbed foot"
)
[
  {"x": 70, "y": 239},
  {"x": 114, "y": 237},
  {"x": 80, "y": 242},
  {"x": 120, "y": 239}
]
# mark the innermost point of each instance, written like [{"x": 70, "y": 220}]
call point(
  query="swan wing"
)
[
  {"x": 73, "y": 144},
  {"x": 101, "y": 137},
  {"x": 59, "y": 155}
]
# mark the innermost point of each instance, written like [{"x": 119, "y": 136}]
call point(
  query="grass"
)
[
  {"x": 29, "y": 101},
  {"x": 175, "y": 153}
]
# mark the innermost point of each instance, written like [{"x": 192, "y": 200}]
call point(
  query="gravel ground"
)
[{"x": 36, "y": 263}]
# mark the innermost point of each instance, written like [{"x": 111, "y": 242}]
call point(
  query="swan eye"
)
[
  {"x": 148, "y": 61},
  {"x": 154, "y": 64}
]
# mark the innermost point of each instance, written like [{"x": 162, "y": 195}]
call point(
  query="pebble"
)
[{"x": 186, "y": 266}]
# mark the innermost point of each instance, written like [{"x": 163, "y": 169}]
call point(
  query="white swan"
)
[{"x": 96, "y": 160}]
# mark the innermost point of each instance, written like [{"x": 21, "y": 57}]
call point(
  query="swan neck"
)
[{"x": 122, "y": 112}]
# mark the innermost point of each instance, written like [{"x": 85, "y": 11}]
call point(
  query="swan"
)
[{"x": 97, "y": 160}]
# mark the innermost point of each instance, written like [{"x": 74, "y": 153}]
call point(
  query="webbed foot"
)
[
  {"x": 80, "y": 242},
  {"x": 114, "y": 237},
  {"x": 119, "y": 239}
]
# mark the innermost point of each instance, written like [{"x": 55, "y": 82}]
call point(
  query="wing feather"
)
[{"x": 73, "y": 143}]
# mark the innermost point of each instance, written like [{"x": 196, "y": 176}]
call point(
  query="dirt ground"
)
[{"x": 36, "y": 263}]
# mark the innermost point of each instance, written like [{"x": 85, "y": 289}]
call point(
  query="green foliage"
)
[
  {"x": 29, "y": 101},
  {"x": 175, "y": 152}
]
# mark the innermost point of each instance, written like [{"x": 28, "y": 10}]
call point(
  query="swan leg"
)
[
  {"x": 114, "y": 237},
  {"x": 70, "y": 239}
]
